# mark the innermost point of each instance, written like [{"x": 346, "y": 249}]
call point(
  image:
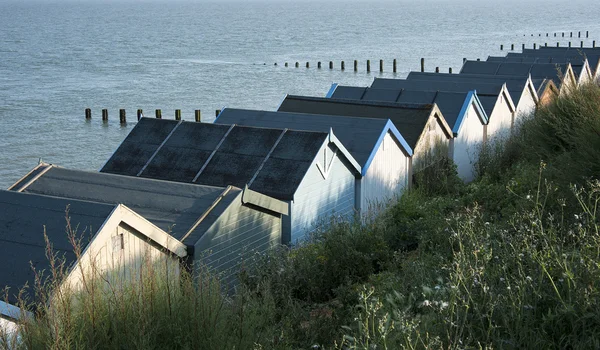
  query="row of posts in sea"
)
[
  {"x": 587, "y": 34},
  {"x": 395, "y": 62},
  {"x": 140, "y": 114}
]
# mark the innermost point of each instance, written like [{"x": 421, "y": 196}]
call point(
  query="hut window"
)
[{"x": 118, "y": 242}]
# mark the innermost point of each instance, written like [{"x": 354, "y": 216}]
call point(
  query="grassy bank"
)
[{"x": 511, "y": 260}]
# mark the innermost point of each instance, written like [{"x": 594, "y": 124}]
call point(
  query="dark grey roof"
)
[
  {"x": 174, "y": 207},
  {"x": 349, "y": 92},
  {"x": 22, "y": 223},
  {"x": 409, "y": 119},
  {"x": 449, "y": 103},
  {"x": 222, "y": 155},
  {"x": 536, "y": 70},
  {"x": 358, "y": 135},
  {"x": 138, "y": 147},
  {"x": 487, "y": 92},
  {"x": 514, "y": 84}
]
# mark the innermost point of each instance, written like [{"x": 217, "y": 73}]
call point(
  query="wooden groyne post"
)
[
  {"x": 356, "y": 65},
  {"x": 422, "y": 64},
  {"x": 198, "y": 116},
  {"x": 395, "y": 66},
  {"x": 140, "y": 113},
  {"x": 217, "y": 112},
  {"x": 105, "y": 115},
  {"x": 330, "y": 64},
  {"x": 178, "y": 114},
  {"x": 381, "y": 66},
  {"x": 343, "y": 65},
  {"x": 319, "y": 65},
  {"x": 158, "y": 114},
  {"x": 88, "y": 114},
  {"x": 122, "y": 116},
  {"x": 368, "y": 66}
]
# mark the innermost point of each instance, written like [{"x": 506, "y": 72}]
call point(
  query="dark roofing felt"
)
[
  {"x": 222, "y": 155},
  {"x": 22, "y": 245},
  {"x": 358, "y": 135},
  {"x": 514, "y": 84},
  {"x": 487, "y": 92},
  {"x": 449, "y": 103},
  {"x": 174, "y": 207},
  {"x": 138, "y": 147},
  {"x": 409, "y": 119},
  {"x": 537, "y": 70},
  {"x": 349, "y": 92}
]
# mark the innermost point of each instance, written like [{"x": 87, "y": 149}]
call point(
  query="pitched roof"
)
[
  {"x": 173, "y": 207},
  {"x": 358, "y": 135},
  {"x": 450, "y": 103},
  {"x": 487, "y": 92},
  {"x": 535, "y": 70},
  {"x": 270, "y": 161},
  {"x": 24, "y": 219},
  {"x": 514, "y": 84},
  {"x": 409, "y": 119}
]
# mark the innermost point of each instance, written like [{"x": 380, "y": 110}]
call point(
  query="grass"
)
[{"x": 511, "y": 260}]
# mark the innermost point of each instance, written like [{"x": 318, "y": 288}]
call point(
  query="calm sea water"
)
[{"x": 57, "y": 58}]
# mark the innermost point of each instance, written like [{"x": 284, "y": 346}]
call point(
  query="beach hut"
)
[
  {"x": 113, "y": 238},
  {"x": 580, "y": 65},
  {"x": 379, "y": 148},
  {"x": 462, "y": 110},
  {"x": 221, "y": 226},
  {"x": 312, "y": 172},
  {"x": 562, "y": 74},
  {"x": 546, "y": 89},
  {"x": 521, "y": 89},
  {"x": 494, "y": 97},
  {"x": 10, "y": 316},
  {"x": 575, "y": 55},
  {"x": 422, "y": 125}
]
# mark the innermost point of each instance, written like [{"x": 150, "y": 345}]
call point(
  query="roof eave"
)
[
  {"x": 357, "y": 169},
  {"x": 263, "y": 201},
  {"x": 331, "y": 90}
]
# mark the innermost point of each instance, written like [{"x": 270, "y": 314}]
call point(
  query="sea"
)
[{"x": 58, "y": 58}]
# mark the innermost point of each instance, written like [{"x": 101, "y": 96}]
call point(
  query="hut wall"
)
[
  {"x": 235, "y": 238},
  {"x": 121, "y": 254},
  {"x": 432, "y": 142},
  {"x": 319, "y": 196},
  {"x": 387, "y": 176},
  {"x": 525, "y": 108},
  {"x": 7, "y": 327},
  {"x": 467, "y": 144},
  {"x": 500, "y": 121}
]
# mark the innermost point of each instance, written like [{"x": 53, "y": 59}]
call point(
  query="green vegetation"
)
[{"x": 509, "y": 261}]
